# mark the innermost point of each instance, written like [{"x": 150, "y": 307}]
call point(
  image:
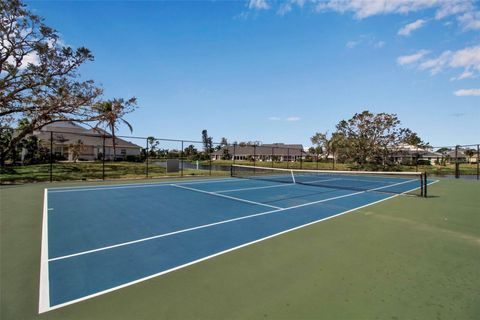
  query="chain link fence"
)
[{"x": 97, "y": 155}]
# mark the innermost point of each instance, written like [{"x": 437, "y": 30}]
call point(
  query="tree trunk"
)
[
  {"x": 15, "y": 140},
  {"x": 112, "y": 128}
]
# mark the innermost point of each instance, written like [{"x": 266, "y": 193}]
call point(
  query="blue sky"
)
[{"x": 280, "y": 71}]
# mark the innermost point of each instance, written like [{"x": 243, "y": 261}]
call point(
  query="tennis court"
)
[{"x": 99, "y": 239}]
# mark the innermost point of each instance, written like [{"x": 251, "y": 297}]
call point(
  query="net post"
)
[
  {"x": 51, "y": 156},
  {"x": 254, "y": 154},
  {"x": 231, "y": 170},
  {"x": 425, "y": 184},
  {"x": 422, "y": 185}
]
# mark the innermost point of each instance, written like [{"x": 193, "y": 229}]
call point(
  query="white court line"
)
[
  {"x": 139, "y": 185},
  {"x": 44, "y": 287},
  {"x": 208, "y": 225},
  {"x": 219, "y": 253},
  {"x": 254, "y": 188},
  {"x": 225, "y": 196}
]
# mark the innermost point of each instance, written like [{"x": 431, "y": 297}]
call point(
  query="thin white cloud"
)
[
  {"x": 468, "y": 59},
  {"x": 409, "y": 28},
  {"x": 453, "y": 7},
  {"x": 363, "y": 9},
  {"x": 464, "y": 75},
  {"x": 408, "y": 59},
  {"x": 284, "y": 8},
  {"x": 465, "y": 12},
  {"x": 467, "y": 92},
  {"x": 258, "y": 5},
  {"x": 365, "y": 39},
  {"x": 436, "y": 65},
  {"x": 289, "y": 119},
  {"x": 351, "y": 44},
  {"x": 274, "y": 118},
  {"x": 293, "y": 119},
  {"x": 30, "y": 58},
  {"x": 287, "y": 6},
  {"x": 470, "y": 20}
]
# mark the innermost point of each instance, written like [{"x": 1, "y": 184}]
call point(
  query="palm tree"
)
[{"x": 111, "y": 113}]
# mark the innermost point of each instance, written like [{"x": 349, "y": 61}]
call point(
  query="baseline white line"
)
[
  {"x": 44, "y": 287},
  {"x": 225, "y": 196},
  {"x": 254, "y": 188},
  {"x": 205, "y": 225},
  {"x": 221, "y": 252},
  {"x": 139, "y": 185}
]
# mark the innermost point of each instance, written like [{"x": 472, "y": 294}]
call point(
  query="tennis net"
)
[{"x": 411, "y": 183}]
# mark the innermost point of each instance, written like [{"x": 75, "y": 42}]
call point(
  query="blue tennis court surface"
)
[{"x": 99, "y": 239}]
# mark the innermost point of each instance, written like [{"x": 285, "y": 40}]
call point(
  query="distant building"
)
[
  {"x": 409, "y": 156},
  {"x": 264, "y": 152},
  {"x": 66, "y": 134},
  {"x": 459, "y": 155}
]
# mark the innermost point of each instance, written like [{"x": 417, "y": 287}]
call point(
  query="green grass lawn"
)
[
  {"x": 137, "y": 170},
  {"x": 405, "y": 258},
  {"x": 90, "y": 171}
]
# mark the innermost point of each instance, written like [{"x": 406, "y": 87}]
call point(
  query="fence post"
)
[
  {"x": 478, "y": 161},
  {"x": 103, "y": 158},
  {"x": 146, "y": 159},
  {"x": 210, "y": 160},
  {"x": 273, "y": 155},
  {"x": 234, "y": 152},
  {"x": 51, "y": 156},
  {"x": 301, "y": 159},
  {"x": 181, "y": 161},
  {"x": 316, "y": 158},
  {"x": 457, "y": 173},
  {"x": 288, "y": 158}
]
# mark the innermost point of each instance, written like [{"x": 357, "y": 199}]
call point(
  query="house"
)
[
  {"x": 411, "y": 154},
  {"x": 263, "y": 152},
  {"x": 473, "y": 158},
  {"x": 66, "y": 134},
  {"x": 459, "y": 155}
]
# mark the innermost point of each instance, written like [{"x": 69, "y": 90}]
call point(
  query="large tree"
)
[
  {"x": 111, "y": 113},
  {"x": 38, "y": 74},
  {"x": 327, "y": 144},
  {"x": 370, "y": 138}
]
